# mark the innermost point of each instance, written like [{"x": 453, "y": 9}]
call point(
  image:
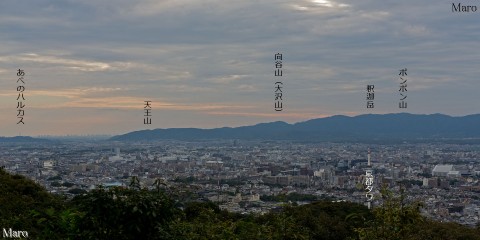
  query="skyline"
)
[
  {"x": 396, "y": 120},
  {"x": 91, "y": 65}
]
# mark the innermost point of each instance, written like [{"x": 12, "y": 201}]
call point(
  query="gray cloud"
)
[{"x": 221, "y": 52}]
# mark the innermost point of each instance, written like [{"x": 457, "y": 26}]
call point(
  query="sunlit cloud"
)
[
  {"x": 69, "y": 63},
  {"x": 247, "y": 88},
  {"x": 66, "y": 93},
  {"x": 132, "y": 103},
  {"x": 311, "y": 5},
  {"x": 300, "y": 8},
  {"x": 324, "y": 3},
  {"x": 82, "y": 98},
  {"x": 281, "y": 115},
  {"x": 227, "y": 79}
]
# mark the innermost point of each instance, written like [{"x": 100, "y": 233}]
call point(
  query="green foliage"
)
[
  {"x": 189, "y": 179},
  {"x": 283, "y": 225},
  {"x": 56, "y": 224},
  {"x": 328, "y": 220},
  {"x": 19, "y": 197},
  {"x": 121, "y": 213},
  {"x": 394, "y": 220},
  {"x": 206, "y": 225},
  {"x": 77, "y": 191},
  {"x": 195, "y": 209},
  {"x": 294, "y": 197},
  {"x": 444, "y": 231}
]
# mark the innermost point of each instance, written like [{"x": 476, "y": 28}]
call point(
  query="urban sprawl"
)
[{"x": 242, "y": 176}]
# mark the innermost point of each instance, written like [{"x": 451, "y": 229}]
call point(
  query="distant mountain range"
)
[
  {"x": 374, "y": 127},
  {"x": 23, "y": 139}
]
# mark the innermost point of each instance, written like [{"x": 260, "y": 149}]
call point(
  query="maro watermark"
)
[
  {"x": 459, "y": 7},
  {"x": 14, "y": 234}
]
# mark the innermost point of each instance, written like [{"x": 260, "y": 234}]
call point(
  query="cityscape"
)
[
  {"x": 241, "y": 175},
  {"x": 299, "y": 119}
]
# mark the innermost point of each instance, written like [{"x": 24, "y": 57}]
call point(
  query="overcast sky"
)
[{"x": 91, "y": 64}]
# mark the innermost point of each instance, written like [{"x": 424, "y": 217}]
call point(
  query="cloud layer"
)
[{"x": 91, "y": 64}]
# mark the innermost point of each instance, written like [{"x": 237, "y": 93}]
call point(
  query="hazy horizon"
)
[{"x": 100, "y": 135}]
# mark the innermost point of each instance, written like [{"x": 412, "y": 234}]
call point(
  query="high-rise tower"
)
[
  {"x": 368, "y": 157},
  {"x": 369, "y": 181}
]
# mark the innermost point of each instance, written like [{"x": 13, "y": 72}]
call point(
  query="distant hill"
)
[
  {"x": 22, "y": 139},
  {"x": 375, "y": 127}
]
